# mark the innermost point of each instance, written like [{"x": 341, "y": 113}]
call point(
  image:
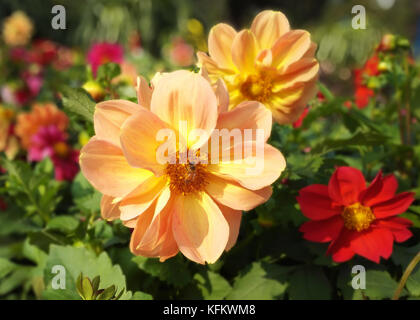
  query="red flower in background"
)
[
  {"x": 298, "y": 123},
  {"x": 356, "y": 219},
  {"x": 101, "y": 53},
  {"x": 362, "y": 92},
  {"x": 66, "y": 162}
]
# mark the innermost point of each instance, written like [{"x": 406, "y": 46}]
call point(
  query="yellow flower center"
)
[
  {"x": 357, "y": 217},
  {"x": 186, "y": 178},
  {"x": 61, "y": 149},
  {"x": 257, "y": 87}
]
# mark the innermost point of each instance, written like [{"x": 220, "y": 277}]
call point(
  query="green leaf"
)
[
  {"x": 358, "y": 139},
  {"x": 138, "y": 295},
  {"x": 379, "y": 285},
  {"x": 309, "y": 283},
  {"x": 107, "y": 294},
  {"x": 173, "y": 271},
  {"x": 79, "y": 102},
  {"x": 82, "y": 260},
  {"x": 6, "y": 267},
  {"x": 303, "y": 166},
  {"x": 260, "y": 281},
  {"x": 84, "y": 195},
  {"x": 212, "y": 285},
  {"x": 65, "y": 224},
  {"x": 108, "y": 71}
]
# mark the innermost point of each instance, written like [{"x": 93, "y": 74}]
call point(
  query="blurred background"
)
[{"x": 156, "y": 27}]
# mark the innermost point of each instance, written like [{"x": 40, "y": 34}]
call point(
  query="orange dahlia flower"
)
[
  {"x": 41, "y": 115},
  {"x": 268, "y": 63},
  {"x": 355, "y": 218},
  {"x": 188, "y": 206}
]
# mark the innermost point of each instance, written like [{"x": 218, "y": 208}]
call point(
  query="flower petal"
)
[
  {"x": 109, "y": 208},
  {"x": 233, "y": 218},
  {"x": 109, "y": 117},
  {"x": 373, "y": 244},
  {"x": 340, "y": 248},
  {"x": 139, "y": 140},
  {"x": 234, "y": 195},
  {"x": 380, "y": 190},
  {"x": 255, "y": 170},
  {"x": 290, "y": 48},
  {"x": 185, "y": 98},
  {"x": 220, "y": 43},
  {"x": 204, "y": 61},
  {"x": 322, "y": 230},
  {"x": 141, "y": 198},
  {"x": 105, "y": 167},
  {"x": 316, "y": 204},
  {"x": 249, "y": 115},
  {"x": 244, "y": 51},
  {"x": 398, "y": 226},
  {"x": 268, "y": 26},
  {"x": 152, "y": 236},
  {"x": 144, "y": 92},
  {"x": 200, "y": 229},
  {"x": 396, "y": 205},
  {"x": 345, "y": 185}
]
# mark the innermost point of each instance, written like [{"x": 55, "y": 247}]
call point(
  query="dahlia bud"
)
[{"x": 94, "y": 89}]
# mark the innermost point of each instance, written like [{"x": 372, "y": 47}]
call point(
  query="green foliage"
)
[
  {"x": 81, "y": 260},
  {"x": 173, "y": 271},
  {"x": 260, "y": 281},
  {"x": 79, "y": 102}
]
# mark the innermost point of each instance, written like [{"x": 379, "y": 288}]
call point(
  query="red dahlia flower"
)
[{"x": 355, "y": 218}]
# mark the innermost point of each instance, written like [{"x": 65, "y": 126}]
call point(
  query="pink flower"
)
[
  {"x": 182, "y": 54},
  {"x": 44, "y": 141},
  {"x": 101, "y": 53}
]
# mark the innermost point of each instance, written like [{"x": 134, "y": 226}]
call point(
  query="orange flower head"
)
[
  {"x": 41, "y": 115},
  {"x": 190, "y": 202},
  {"x": 269, "y": 63}
]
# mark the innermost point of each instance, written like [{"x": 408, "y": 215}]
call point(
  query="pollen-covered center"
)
[
  {"x": 257, "y": 87},
  {"x": 357, "y": 217},
  {"x": 186, "y": 177}
]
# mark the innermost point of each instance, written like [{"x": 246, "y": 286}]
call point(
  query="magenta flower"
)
[
  {"x": 101, "y": 53},
  {"x": 50, "y": 141},
  {"x": 66, "y": 164},
  {"x": 43, "y": 143}
]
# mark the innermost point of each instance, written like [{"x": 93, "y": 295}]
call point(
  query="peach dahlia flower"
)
[
  {"x": 268, "y": 63},
  {"x": 176, "y": 206}
]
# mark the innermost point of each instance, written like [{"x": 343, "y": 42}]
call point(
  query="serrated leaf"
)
[
  {"x": 212, "y": 285},
  {"x": 77, "y": 260},
  {"x": 379, "y": 285},
  {"x": 79, "y": 102},
  {"x": 260, "y": 281}
]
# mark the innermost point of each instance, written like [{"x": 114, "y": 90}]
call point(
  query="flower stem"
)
[{"x": 405, "y": 276}]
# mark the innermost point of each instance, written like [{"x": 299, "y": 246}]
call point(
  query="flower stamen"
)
[
  {"x": 357, "y": 217},
  {"x": 186, "y": 178}
]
